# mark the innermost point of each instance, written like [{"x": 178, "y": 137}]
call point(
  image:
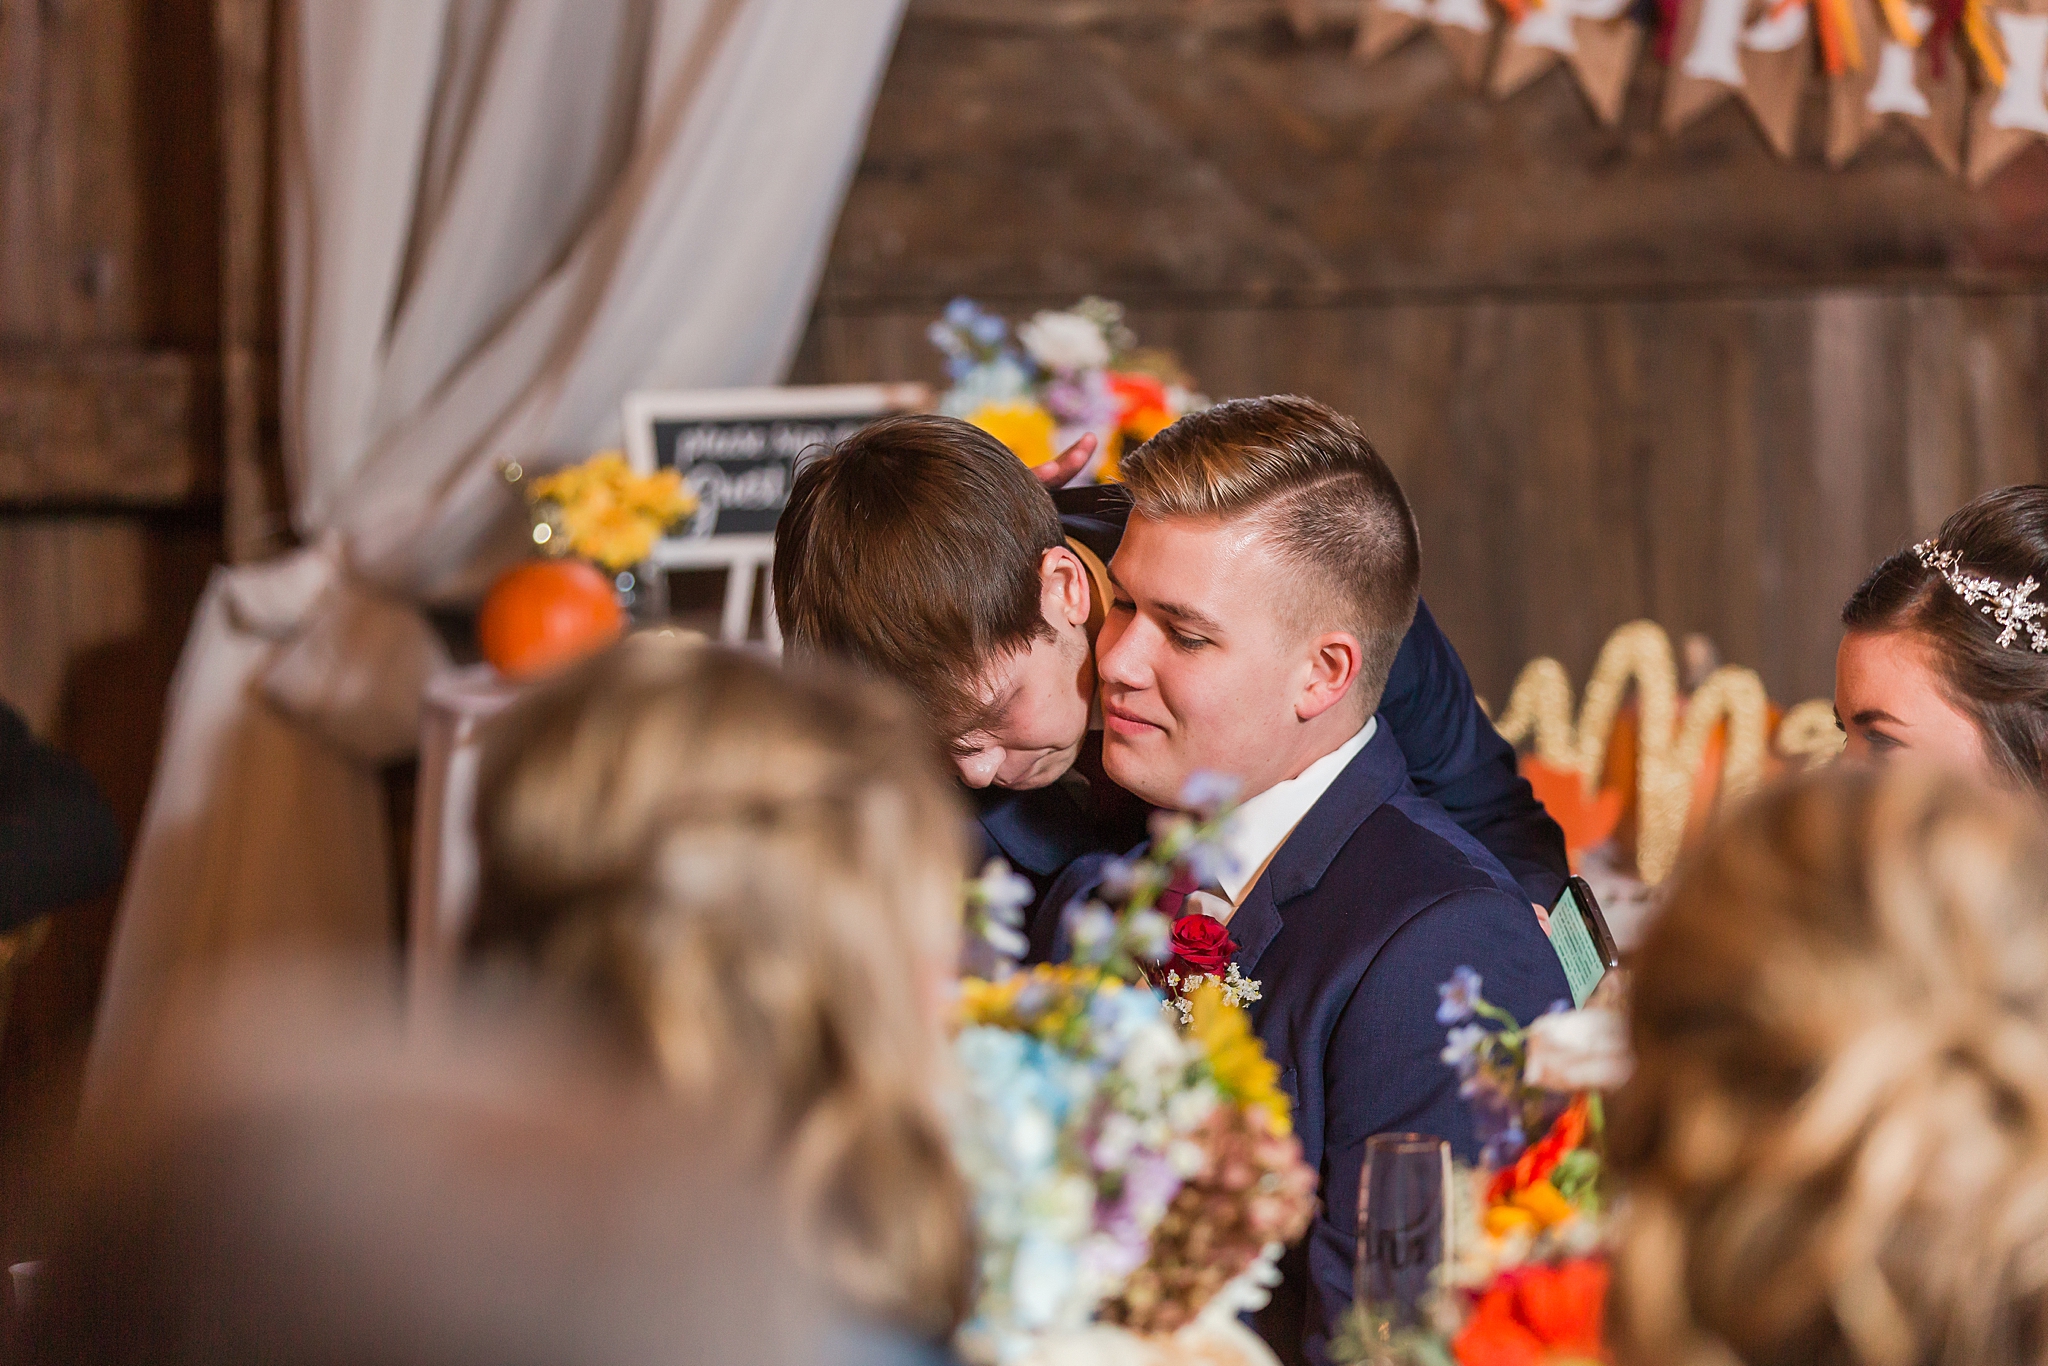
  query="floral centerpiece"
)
[
  {"x": 605, "y": 511},
  {"x": 1063, "y": 374},
  {"x": 1132, "y": 1156},
  {"x": 593, "y": 523},
  {"x": 1525, "y": 1277}
]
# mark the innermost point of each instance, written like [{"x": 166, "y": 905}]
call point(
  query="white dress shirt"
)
[{"x": 1264, "y": 822}]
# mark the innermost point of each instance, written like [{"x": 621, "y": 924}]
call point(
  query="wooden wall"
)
[
  {"x": 109, "y": 418},
  {"x": 1620, "y": 374}
]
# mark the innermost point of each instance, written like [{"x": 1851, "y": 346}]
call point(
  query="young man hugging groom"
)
[
  {"x": 923, "y": 550},
  {"x": 1257, "y": 616}
]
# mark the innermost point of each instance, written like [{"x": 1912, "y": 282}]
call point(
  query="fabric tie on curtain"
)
[{"x": 498, "y": 216}]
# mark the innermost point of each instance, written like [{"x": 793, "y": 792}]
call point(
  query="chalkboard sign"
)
[{"x": 738, "y": 450}]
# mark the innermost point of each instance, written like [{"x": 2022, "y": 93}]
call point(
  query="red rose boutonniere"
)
[{"x": 1201, "y": 944}]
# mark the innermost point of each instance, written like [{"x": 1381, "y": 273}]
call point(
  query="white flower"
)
[
  {"x": 1064, "y": 342},
  {"x": 1578, "y": 1050}
]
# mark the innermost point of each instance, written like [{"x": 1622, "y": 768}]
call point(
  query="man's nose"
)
[
  {"x": 1120, "y": 663},
  {"x": 979, "y": 769}
]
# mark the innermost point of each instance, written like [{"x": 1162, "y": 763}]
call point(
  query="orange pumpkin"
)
[{"x": 548, "y": 613}]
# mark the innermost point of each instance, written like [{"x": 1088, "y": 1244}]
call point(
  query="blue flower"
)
[
  {"x": 987, "y": 329},
  {"x": 1458, "y": 999},
  {"x": 962, "y": 312},
  {"x": 1092, "y": 928},
  {"x": 1206, "y": 793},
  {"x": 1146, "y": 936},
  {"x": 1462, "y": 1049},
  {"x": 1208, "y": 862}
]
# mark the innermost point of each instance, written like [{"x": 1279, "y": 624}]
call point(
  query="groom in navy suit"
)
[{"x": 1258, "y": 599}]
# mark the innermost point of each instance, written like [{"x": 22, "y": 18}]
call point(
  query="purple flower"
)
[
  {"x": 1497, "y": 1124},
  {"x": 1458, "y": 999}
]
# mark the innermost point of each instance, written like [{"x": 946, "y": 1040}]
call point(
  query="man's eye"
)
[
  {"x": 1187, "y": 642},
  {"x": 1122, "y": 605}
]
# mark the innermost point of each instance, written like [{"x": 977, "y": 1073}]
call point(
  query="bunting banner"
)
[
  {"x": 1759, "y": 52},
  {"x": 2009, "y": 112},
  {"x": 1901, "y": 78},
  {"x": 1968, "y": 77},
  {"x": 1465, "y": 27},
  {"x": 1598, "y": 39}
]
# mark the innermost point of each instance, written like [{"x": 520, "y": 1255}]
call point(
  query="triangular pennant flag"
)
[
  {"x": 1305, "y": 16},
  {"x": 1598, "y": 39},
  {"x": 1463, "y": 26},
  {"x": 1897, "y": 81},
  {"x": 2010, "y": 112},
  {"x": 1720, "y": 49}
]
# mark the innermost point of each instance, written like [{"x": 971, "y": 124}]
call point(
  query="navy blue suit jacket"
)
[
  {"x": 1453, "y": 754},
  {"x": 1374, "y": 900}
]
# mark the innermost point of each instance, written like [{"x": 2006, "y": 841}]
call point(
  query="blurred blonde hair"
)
[
  {"x": 1835, "y": 1145},
  {"x": 754, "y": 877}
]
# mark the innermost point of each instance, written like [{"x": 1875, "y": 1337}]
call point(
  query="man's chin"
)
[{"x": 1134, "y": 773}]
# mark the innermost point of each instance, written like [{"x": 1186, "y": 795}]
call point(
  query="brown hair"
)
[
  {"x": 2003, "y": 688},
  {"x": 913, "y": 549},
  {"x": 753, "y": 876},
  {"x": 1835, "y": 1143},
  {"x": 1327, "y": 499}
]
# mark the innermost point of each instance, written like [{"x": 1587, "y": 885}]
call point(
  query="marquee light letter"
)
[{"x": 2020, "y": 103}]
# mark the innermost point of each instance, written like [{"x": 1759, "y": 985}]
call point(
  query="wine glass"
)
[{"x": 1403, "y": 1215}]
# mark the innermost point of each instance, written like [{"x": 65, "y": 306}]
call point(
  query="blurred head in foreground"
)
[
  {"x": 752, "y": 877},
  {"x": 323, "y": 1193},
  {"x": 1835, "y": 1142},
  {"x": 1945, "y": 651}
]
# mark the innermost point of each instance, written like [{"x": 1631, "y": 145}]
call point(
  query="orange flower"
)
[
  {"x": 1540, "y": 1158},
  {"x": 1564, "y": 1306},
  {"x": 1537, "y": 1314},
  {"x": 1135, "y": 393}
]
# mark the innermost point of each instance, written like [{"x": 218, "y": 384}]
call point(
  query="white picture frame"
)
[{"x": 738, "y": 450}]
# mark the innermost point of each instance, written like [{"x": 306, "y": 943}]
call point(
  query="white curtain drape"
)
[{"x": 498, "y": 217}]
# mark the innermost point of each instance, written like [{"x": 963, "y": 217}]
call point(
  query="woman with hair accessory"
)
[
  {"x": 1946, "y": 648},
  {"x": 751, "y": 877},
  {"x": 1835, "y": 1141}
]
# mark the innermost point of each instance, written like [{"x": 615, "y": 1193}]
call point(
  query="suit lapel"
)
[{"x": 1361, "y": 789}]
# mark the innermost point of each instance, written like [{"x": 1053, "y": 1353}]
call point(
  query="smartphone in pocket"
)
[{"x": 1584, "y": 944}]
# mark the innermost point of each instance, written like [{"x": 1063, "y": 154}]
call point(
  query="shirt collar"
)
[{"x": 1259, "y": 827}]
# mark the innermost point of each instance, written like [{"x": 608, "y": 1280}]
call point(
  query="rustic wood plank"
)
[
  {"x": 252, "y": 465},
  {"x": 92, "y": 616},
  {"x": 112, "y": 425},
  {"x": 1145, "y": 157}
]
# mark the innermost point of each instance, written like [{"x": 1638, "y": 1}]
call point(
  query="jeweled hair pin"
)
[{"x": 2012, "y": 607}]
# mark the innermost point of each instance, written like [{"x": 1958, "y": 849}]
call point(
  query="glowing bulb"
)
[{"x": 542, "y": 533}]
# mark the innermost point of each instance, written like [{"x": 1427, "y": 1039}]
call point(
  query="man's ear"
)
[
  {"x": 1063, "y": 588},
  {"x": 1334, "y": 661}
]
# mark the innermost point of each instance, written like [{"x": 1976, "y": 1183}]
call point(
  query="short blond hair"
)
[
  {"x": 749, "y": 874},
  {"x": 1330, "y": 504},
  {"x": 1835, "y": 1145}
]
